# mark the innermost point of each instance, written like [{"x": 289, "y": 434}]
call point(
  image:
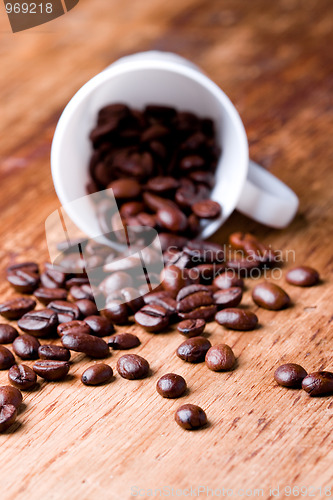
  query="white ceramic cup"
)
[{"x": 165, "y": 78}]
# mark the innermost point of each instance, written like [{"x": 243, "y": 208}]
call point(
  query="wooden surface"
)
[{"x": 274, "y": 60}]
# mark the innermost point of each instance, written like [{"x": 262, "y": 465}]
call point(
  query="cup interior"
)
[{"x": 138, "y": 84}]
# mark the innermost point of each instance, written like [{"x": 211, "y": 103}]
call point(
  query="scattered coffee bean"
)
[
  {"x": 26, "y": 346},
  {"x": 22, "y": 377},
  {"x": 97, "y": 374},
  {"x": 318, "y": 383},
  {"x": 66, "y": 311},
  {"x": 82, "y": 292},
  {"x": 229, "y": 297},
  {"x": 87, "y": 307},
  {"x": 10, "y": 396},
  {"x": 8, "y": 414},
  {"x": 196, "y": 301},
  {"x": 302, "y": 276},
  {"x": 228, "y": 279},
  {"x": 123, "y": 341},
  {"x": 6, "y": 358},
  {"x": 270, "y": 296},
  {"x": 28, "y": 266},
  {"x": 117, "y": 312},
  {"x": 192, "y": 327},
  {"x": 54, "y": 352},
  {"x": 99, "y": 325},
  {"x": 207, "y": 209},
  {"x": 15, "y": 308},
  {"x": 7, "y": 334},
  {"x": 190, "y": 417},
  {"x": 39, "y": 323},
  {"x": 193, "y": 350},
  {"x": 51, "y": 370},
  {"x": 90, "y": 345},
  {"x": 52, "y": 277},
  {"x": 47, "y": 295},
  {"x": 254, "y": 248},
  {"x": 22, "y": 279},
  {"x": 132, "y": 367},
  {"x": 152, "y": 317},
  {"x": 173, "y": 279},
  {"x": 171, "y": 386},
  {"x": 220, "y": 358},
  {"x": 75, "y": 326},
  {"x": 237, "y": 319},
  {"x": 290, "y": 375}
]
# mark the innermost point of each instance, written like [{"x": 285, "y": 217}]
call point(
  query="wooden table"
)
[{"x": 274, "y": 60}]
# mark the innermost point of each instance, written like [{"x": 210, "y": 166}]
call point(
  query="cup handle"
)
[{"x": 266, "y": 199}]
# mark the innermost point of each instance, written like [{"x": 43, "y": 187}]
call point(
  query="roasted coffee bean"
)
[
  {"x": 8, "y": 414},
  {"x": 79, "y": 292},
  {"x": 87, "y": 307},
  {"x": 27, "y": 266},
  {"x": 39, "y": 323},
  {"x": 51, "y": 370},
  {"x": 171, "y": 386},
  {"x": 22, "y": 377},
  {"x": 173, "y": 279},
  {"x": 162, "y": 184},
  {"x": 169, "y": 240},
  {"x": 194, "y": 349},
  {"x": 243, "y": 267},
  {"x": 123, "y": 341},
  {"x": 192, "y": 162},
  {"x": 191, "y": 327},
  {"x": 270, "y": 296},
  {"x": 204, "y": 252},
  {"x": 52, "y": 277},
  {"x": 190, "y": 417},
  {"x": 75, "y": 326},
  {"x": 22, "y": 279},
  {"x": 131, "y": 208},
  {"x": 237, "y": 319},
  {"x": 116, "y": 281},
  {"x": 220, "y": 358},
  {"x": 15, "y": 308},
  {"x": 54, "y": 352},
  {"x": 99, "y": 325},
  {"x": 10, "y": 396},
  {"x": 164, "y": 300},
  {"x": 117, "y": 312},
  {"x": 207, "y": 209},
  {"x": 66, "y": 311},
  {"x": 94, "y": 347},
  {"x": 318, "y": 383},
  {"x": 196, "y": 301},
  {"x": 290, "y": 375},
  {"x": 253, "y": 247},
  {"x": 125, "y": 189},
  {"x": 6, "y": 358},
  {"x": 26, "y": 346},
  {"x": 76, "y": 281},
  {"x": 153, "y": 318},
  {"x": 230, "y": 297},
  {"x": 129, "y": 296},
  {"x": 171, "y": 218},
  {"x": 203, "y": 177},
  {"x": 302, "y": 276},
  {"x": 97, "y": 374},
  {"x": 7, "y": 334},
  {"x": 228, "y": 279},
  {"x": 132, "y": 367},
  {"x": 47, "y": 295},
  {"x": 206, "y": 272}
]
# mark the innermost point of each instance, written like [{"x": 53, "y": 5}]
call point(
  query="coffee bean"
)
[
  {"x": 90, "y": 345},
  {"x": 196, "y": 301},
  {"x": 28, "y": 266},
  {"x": 206, "y": 272},
  {"x": 237, "y": 319},
  {"x": 116, "y": 281},
  {"x": 132, "y": 367},
  {"x": 290, "y": 375},
  {"x": 190, "y": 417},
  {"x": 47, "y": 295},
  {"x": 171, "y": 386},
  {"x": 51, "y": 370},
  {"x": 220, "y": 358},
  {"x": 7, "y": 334},
  {"x": 77, "y": 281},
  {"x": 66, "y": 311},
  {"x": 254, "y": 248},
  {"x": 54, "y": 352},
  {"x": 228, "y": 279},
  {"x": 80, "y": 292},
  {"x": 164, "y": 300},
  {"x": 6, "y": 358},
  {"x": 193, "y": 350},
  {"x": 8, "y": 414},
  {"x": 131, "y": 208},
  {"x": 87, "y": 307},
  {"x": 171, "y": 218},
  {"x": 318, "y": 383},
  {"x": 152, "y": 317},
  {"x": 243, "y": 267},
  {"x": 204, "y": 252},
  {"x": 192, "y": 327},
  {"x": 162, "y": 184},
  {"x": 270, "y": 296},
  {"x": 116, "y": 311},
  {"x": 26, "y": 346},
  {"x": 99, "y": 325},
  {"x": 22, "y": 377},
  {"x": 302, "y": 276},
  {"x": 10, "y": 396},
  {"x": 52, "y": 277},
  {"x": 15, "y": 308},
  {"x": 97, "y": 374},
  {"x": 75, "y": 326},
  {"x": 124, "y": 341},
  {"x": 22, "y": 279},
  {"x": 229, "y": 297},
  {"x": 207, "y": 209},
  {"x": 39, "y": 323},
  {"x": 125, "y": 188},
  {"x": 173, "y": 279},
  {"x": 168, "y": 240}
]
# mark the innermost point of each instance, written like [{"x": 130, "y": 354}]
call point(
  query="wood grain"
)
[{"x": 274, "y": 60}]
